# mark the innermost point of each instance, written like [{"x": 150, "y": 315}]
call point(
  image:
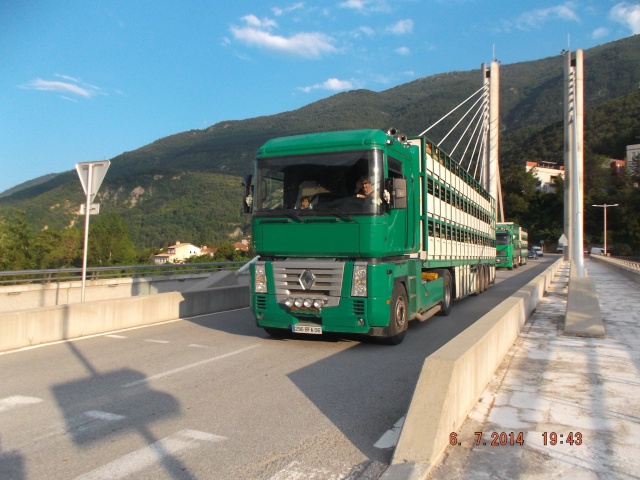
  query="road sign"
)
[
  {"x": 94, "y": 209},
  {"x": 98, "y": 172},
  {"x": 91, "y": 175}
]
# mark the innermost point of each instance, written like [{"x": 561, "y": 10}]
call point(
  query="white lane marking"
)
[
  {"x": 17, "y": 401},
  {"x": 106, "y": 416},
  {"x": 115, "y": 336},
  {"x": 186, "y": 367},
  {"x": 89, "y": 420},
  {"x": 195, "y": 345},
  {"x": 157, "y": 341},
  {"x": 128, "y": 465},
  {"x": 296, "y": 471},
  {"x": 391, "y": 437}
]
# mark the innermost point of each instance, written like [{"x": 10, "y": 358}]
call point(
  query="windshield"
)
[
  {"x": 341, "y": 183},
  {"x": 502, "y": 238}
]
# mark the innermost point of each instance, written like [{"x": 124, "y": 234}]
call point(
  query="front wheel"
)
[{"x": 398, "y": 317}]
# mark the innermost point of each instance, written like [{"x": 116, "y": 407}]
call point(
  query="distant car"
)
[
  {"x": 560, "y": 249},
  {"x": 532, "y": 254},
  {"x": 538, "y": 251}
]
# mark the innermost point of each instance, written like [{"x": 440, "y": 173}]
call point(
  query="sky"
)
[{"x": 88, "y": 80}]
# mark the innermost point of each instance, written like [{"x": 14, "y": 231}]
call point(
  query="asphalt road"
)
[{"x": 214, "y": 397}]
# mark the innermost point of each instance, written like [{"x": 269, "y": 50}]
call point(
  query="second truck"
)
[
  {"x": 395, "y": 230},
  {"x": 512, "y": 244}
]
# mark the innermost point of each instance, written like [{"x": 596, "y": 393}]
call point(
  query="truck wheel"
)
[
  {"x": 478, "y": 289},
  {"x": 398, "y": 318},
  {"x": 447, "y": 295},
  {"x": 483, "y": 279}
]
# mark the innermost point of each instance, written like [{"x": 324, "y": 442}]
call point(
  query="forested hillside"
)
[{"x": 187, "y": 186}]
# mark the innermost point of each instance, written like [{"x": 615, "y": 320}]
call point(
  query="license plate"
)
[{"x": 314, "y": 329}]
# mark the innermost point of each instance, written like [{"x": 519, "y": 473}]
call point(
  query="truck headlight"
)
[
  {"x": 359, "y": 282},
  {"x": 260, "y": 285}
]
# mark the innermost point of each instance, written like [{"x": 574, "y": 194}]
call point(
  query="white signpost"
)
[{"x": 91, "y": 175}]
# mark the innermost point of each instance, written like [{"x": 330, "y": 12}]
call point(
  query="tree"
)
[
  {"x": 226, "y": 253},
  {"x": 17, "y": 251},
  {"x": 59, "y": 249},
  {"x": 109, "y": 242}
]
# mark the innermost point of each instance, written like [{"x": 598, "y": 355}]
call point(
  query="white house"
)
[
  {"x": 177, "y": 253},
  {"x": 546, "y": 172},
  {"x": 633, "y": 157}
]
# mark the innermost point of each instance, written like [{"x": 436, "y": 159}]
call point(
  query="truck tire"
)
[
  {"x": 483, "y": 279},
  {"x": 447, "y": 296},
  {"x": 398, "y": 317},
  {"x": 478, "y": 289}
]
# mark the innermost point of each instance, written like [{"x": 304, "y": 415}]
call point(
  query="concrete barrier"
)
[
  {"x": 583, "y": 317},
  {"x": 454, "y": 377},
  {"x": 21, "y": 297},
  {"x": 19, "y": 329}
]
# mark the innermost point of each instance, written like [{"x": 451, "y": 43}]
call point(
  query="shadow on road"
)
[
  {"x": 11, "y": 465},
  {"x": 115, "y": 403}
]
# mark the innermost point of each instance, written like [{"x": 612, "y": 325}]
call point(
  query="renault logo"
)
[{"x": 307, "y": 279}]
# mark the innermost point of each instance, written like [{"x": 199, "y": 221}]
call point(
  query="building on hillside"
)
[
  {"x": 616, "y": 166},
  {"x": 633, "y": 157},
  {"x": 242, "y": 246},
  {"x": 177, "y": 253},
  {"x": 546, "y": 172},
  {"x": 211, "y": 251}
]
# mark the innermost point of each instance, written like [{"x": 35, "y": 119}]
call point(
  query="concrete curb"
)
[
  {"x": 454, "y": 377},
  {"x": 38, "y": 326}
]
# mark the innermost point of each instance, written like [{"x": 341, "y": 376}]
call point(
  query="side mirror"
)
[
  {"x": 398, "y": 188},
  {"x": 247, "y": 204}
]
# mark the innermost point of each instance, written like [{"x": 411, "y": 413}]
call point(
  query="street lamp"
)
[{"x": 605, "y": 206}]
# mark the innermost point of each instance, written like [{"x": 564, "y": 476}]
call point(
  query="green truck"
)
[
  {"x": 394, "y": 230},
  {"x": 512, "y": 244}
]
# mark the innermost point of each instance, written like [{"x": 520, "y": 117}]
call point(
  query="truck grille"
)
[{"x": 319, "y": 277}]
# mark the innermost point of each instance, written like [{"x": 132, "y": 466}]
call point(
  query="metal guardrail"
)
[{"x": 19, "y": 277}]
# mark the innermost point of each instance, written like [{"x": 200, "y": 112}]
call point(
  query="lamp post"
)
[{"x": 605, "y": 206}]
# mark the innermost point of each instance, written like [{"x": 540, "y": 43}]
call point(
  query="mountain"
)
[
  {"x": 28, "y": 184},
  {"x": 186, "y": 186}
]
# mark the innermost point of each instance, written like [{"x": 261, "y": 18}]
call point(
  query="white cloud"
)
[
  {"x": 355, "y": 4},
  {"x": 367, "y": 31},
  {"x": 66, "y": 84},
  {"x": 627, "y": 14},
  {"x": 366, "y": 6},
  {"x": 403, "y": 51},
  {"x": 401, "y": 27},
  {"x": 258, "y": 33},
  {"x": 333, "y": 84},
  {"x": 254, "y": 21},
  {"x": 599, "y": 33},
  {"x": 277, "y": 11},
  {"x": 535, "y": 18}
]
